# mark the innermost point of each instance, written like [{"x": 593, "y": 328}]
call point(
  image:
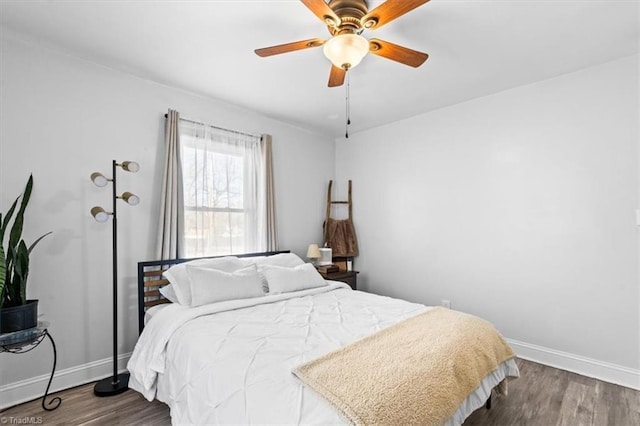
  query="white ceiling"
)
[{"x": 476, "y": 47}]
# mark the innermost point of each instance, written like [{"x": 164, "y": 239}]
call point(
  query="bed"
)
[{"x": 262, "y": 358}]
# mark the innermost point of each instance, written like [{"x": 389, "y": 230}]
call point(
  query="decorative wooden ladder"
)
[
  {"x": 340, "y": 234},
  {"x": 330, "y": 202}
]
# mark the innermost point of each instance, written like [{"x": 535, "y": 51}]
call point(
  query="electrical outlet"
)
[{"x": 446, "y": 303}]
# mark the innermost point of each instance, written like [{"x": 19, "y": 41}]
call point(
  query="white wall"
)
[
  {"x": 62, "y": 118},
  {"x": 518, "y": 207}
]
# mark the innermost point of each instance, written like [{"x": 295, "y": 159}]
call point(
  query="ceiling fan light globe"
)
[{"x": 346, "y": 50}]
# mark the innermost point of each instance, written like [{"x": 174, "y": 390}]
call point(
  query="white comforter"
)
[{"x": 231, "y": 362}]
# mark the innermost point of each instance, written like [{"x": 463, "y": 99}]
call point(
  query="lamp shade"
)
[
  {"x": 130, "y": 166},
  {"x": 99, "y": 179},
  {"x": 313, "y": 252},
  {"x": 100, "y": 214},
  {"x": 346, "y": 50},
  {"x": 131, "y": 199}
]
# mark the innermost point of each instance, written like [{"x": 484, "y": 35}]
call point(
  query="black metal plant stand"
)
[{"x": 26, "y": 341}]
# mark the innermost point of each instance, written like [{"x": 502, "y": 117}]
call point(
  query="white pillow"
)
[
  {"x": 283, "y": 280},
  {"x": 177, "y": 274},
  {"x": 211, "y": 285},
  {"x": 288, "y": 260},
  {"x": 169, "y": 293}
]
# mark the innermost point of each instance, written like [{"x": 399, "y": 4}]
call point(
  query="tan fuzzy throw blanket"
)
[{"x": 415, "y": 372}]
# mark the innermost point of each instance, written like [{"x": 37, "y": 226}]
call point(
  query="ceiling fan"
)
[{"x": 346, "y": 20}]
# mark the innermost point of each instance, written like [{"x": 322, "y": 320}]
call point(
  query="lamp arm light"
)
[
  {"x": 99, "y": 179},
  {"x": 129, "y": 166},
  {"x": 100, "y": 214},
  {"x": 130, "y": 198}
]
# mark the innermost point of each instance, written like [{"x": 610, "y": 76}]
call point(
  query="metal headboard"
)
[{"x": 150, "y": 280}]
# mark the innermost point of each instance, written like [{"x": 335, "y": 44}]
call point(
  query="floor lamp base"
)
[{"x": 106, "y": 387}]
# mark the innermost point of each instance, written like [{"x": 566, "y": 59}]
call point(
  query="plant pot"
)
[{"x": 18, "y": 318}]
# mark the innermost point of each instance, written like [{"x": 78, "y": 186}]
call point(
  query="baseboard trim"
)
[
  {"x": 33, "y": 388},
  {"x": 607, "y": 372}
]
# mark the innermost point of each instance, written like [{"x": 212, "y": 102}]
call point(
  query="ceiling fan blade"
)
[
  {"x": 289, "y": 47},
  {"x": 323, "y": 12},
  {"x": 336, "y": 76},
  {"x": 388, "y": 11},
  {"x": 397, "y": 53}
]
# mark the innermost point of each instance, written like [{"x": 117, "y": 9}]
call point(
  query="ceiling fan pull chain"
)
[
  {"x": 347, "y": 107},
  {"x": 348, "y": 98}
]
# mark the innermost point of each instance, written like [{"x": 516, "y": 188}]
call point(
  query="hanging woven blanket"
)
[{"x": 340, "y": 235}]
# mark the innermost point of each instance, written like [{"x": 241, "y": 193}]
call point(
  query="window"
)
[{"x": 223, "y": 191}]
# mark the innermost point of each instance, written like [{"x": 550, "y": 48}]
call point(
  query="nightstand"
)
[{"x": 349, "y": 277}]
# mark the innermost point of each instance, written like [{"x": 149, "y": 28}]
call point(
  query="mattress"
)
[{"x": 231, "y": 362}]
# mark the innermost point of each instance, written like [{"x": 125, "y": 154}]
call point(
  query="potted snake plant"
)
[{"x": 16, "y": 312}]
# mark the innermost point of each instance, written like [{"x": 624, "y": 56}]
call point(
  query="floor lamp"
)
[{"x": 118, "y": 383}]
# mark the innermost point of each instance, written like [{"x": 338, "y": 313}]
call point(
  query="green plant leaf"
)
[
  {"x": 7, "y": 218},
  {"x": 3, "y": 276},
  {"x": 32, "y": 246},
  {"x": 22, "y": 271},
  {"x": 9, "y": 295},
  {"x": 16, "y": 229},
  {"x": 12, "y": 287}
]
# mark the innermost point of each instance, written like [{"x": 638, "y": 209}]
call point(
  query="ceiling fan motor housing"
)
[{"x": 350, "y": 13}]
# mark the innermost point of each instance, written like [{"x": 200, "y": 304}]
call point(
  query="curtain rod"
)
[{"x": 219, "y": 128}]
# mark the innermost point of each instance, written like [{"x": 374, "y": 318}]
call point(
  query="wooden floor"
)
[
  {"x": 548, "y": 396},
  {"x": 542, "y": 396}
]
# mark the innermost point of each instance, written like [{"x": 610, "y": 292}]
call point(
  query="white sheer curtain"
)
[{"x": 224, "y": 191}]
